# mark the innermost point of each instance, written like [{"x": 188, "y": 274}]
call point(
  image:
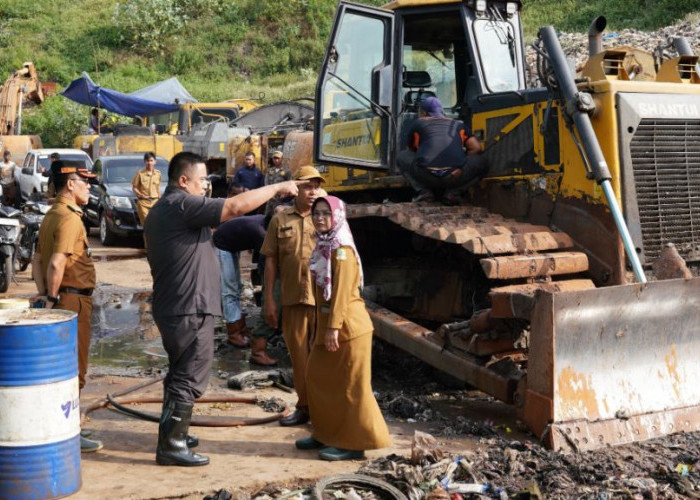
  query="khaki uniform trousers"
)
[
  {"x": 82, "y": 305},
  {"x": 142, "y": 209},
  {"x": 298, "y": 326}
]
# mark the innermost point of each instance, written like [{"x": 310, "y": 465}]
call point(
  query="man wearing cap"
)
[
  {"x": 62, "y": 268},
  {"x": 288, "y": 244},
  {"x": 275, "y": 171},
  {"x": 436, "y": 158}
]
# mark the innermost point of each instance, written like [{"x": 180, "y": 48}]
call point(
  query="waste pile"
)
[
  {"x": 659, "y": 469},
  {"x": 668, "y": 468},
  {"x": 575, "y": 45}
]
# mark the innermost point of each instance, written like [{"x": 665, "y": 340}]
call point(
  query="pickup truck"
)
[{"x": 32, "y": 176}]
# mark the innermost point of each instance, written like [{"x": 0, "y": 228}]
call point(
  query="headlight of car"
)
[{"x": 120, "y": 202}]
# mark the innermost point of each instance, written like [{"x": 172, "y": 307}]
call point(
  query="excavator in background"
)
[
  {"x": 22, "y": 84},
  {"x": 224, "y": 143},
  {"x": 161, "y": 134},
  {"x": 565, "y": 286}
]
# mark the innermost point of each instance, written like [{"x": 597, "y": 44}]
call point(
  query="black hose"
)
[{"x": 197, "y": 421}]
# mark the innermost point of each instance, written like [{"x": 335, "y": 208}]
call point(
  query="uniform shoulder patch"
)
[{"x": 341, "y": 254}]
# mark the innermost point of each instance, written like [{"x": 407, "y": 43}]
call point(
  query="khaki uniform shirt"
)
[
  {"x": 147, "y": 183},
  {"x": 346, "y": 310},
  {"x": 62, "y": 231},
  {"x": 290, "y": 239}
]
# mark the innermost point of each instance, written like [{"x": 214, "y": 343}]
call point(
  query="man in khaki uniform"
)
[
  {"x": 62, "y": 268},
  {"x": 288, "y": 244},
  {"x": 146, "y": 186}
]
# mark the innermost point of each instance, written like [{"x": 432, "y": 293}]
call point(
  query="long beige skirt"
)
[{"x": 344, "y": 412}]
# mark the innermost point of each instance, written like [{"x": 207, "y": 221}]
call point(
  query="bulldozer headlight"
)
[
  {"x": 480, "y": 6},
  {"x": 511, "y": 7}
]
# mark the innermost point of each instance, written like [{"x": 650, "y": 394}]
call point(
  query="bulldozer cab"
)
[{"x": 381, "y": 63}]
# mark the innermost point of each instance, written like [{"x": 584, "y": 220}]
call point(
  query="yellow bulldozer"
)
[{"x": 565, "y": 287}]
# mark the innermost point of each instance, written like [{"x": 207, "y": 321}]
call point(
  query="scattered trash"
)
[
  {"x": 219, "y": 495},
  {"x": 663, "y": 468},
  {"x": 356, "y": 487},
  {"x": 683, "y": 469},
  {"x": 271, "y": 405},
  {"x": 424, "y": 448},
  {"x": 255, "y": 379}
]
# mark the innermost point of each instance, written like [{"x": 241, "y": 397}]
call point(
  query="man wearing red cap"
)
[
  {"x": 435, "y": 159},
  {"x": 62, "y": 268}
]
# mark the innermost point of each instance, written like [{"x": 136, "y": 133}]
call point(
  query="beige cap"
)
[
  {"x": 307, "y": 173},
  {"x": 277, "y": 154}
]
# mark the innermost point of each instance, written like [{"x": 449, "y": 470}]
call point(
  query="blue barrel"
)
[{"x": 39, "y": 404}]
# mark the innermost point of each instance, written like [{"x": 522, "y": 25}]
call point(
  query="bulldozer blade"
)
[{"x": 614, "y": 365}]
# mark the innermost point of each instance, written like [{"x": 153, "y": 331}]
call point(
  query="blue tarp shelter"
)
[
  {"x": 84, "y": 91},
  {"x": 168, "y": 91}
]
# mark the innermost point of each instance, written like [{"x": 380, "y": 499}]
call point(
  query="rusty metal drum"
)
[{"x": 39, "y": 404}]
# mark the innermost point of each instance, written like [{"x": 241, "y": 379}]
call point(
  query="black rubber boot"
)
[
  {"x": 191, "y": 440},
  {"x": 172, "y": 447}
]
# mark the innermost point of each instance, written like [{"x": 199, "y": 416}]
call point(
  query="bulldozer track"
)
[{"x": 521, "y": 257}]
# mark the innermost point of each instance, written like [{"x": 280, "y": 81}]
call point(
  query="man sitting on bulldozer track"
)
[{"x": 435, "y": 160}]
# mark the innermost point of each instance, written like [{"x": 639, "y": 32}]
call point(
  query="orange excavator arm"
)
[{"x": 23, "y": 84}]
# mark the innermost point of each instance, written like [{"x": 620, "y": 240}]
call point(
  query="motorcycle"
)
[
  {"x": 30, "y": 220},
  {"x": 9, "y": 235}
]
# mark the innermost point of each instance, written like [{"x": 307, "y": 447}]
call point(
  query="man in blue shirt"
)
[{"x": 247, "y": 177}]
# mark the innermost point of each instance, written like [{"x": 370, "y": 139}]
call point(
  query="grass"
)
[
  {"x": 224, "y": 49},
  {"x": 577, "y": 15}
]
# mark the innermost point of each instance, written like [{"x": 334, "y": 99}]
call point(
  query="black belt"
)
[{"x": 80, "y": 291}]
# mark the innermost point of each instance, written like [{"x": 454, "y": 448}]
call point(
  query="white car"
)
[{"x": 32, "y": 176}]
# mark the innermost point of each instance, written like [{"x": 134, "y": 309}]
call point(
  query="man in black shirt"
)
[
  {"x": 187, "y": 292},
  {"x": 436, "y": 159}
]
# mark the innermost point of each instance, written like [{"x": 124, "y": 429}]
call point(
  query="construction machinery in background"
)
[
  {"x": 165, "y": 134},
  {"x": 557, "y": 288},
  {"x": 22, "y": 84},
  {"x": 224, "y": 143}
]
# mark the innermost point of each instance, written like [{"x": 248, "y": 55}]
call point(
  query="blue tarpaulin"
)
[
  {"x": 167, "y": 91},
  {"x": 84, "y": 91}
]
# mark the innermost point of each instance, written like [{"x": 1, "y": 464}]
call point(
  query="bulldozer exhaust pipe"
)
[
  {"x": 682, "y": 46},
  {"x": 595, "y": 35},
  {"x": 577, "y": 105}
]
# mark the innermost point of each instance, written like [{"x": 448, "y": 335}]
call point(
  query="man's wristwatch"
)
[{"x": 53, "y": 300}]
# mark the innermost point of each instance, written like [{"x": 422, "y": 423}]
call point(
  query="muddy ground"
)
[{"x": 260, "y": 461}]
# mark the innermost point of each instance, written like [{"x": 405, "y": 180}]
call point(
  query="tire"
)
[
  {"x": 20, "y": 264},
  {"x": 5, "y": 272},
  {"x": 380, "y": 488},
  {"x": 107, "y": 237}
]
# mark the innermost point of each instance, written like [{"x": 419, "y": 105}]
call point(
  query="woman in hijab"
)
[{"x": 345, "y": 416}]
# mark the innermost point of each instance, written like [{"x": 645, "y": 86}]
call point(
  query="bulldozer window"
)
[
  {"x": 495, "y": 41},
  {"x": 351, "y": 126},
  {"x": 429, "y": 45}
]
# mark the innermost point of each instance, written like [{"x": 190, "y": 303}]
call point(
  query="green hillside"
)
[{"x": 221, "y": 49}]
